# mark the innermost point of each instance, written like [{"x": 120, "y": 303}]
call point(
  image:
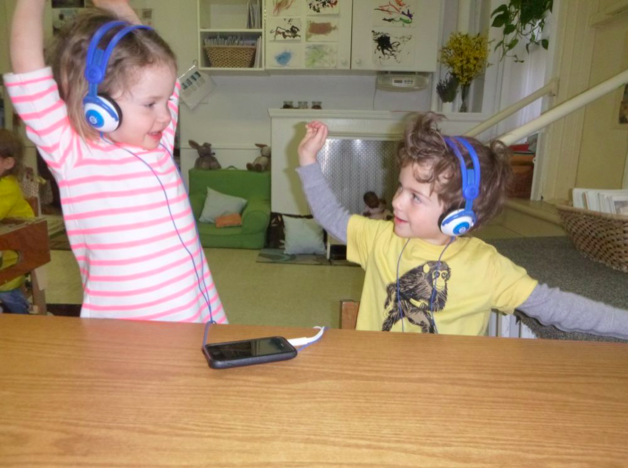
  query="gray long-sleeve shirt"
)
[{"x": 550, "y": 306}]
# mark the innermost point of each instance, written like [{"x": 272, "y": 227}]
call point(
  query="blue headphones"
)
[
  {"x": 100, "y": 111},
  {"x": 457, "y": 222}
]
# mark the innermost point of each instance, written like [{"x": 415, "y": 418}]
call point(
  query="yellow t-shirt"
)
[
  {"x": 472, "y": 279},
  {"x": 12, "y": 205}
]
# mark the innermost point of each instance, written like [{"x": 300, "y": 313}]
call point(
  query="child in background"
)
[
  {"x": 104, "y": 120},
  {"x": 12, "y": 205},
  {"x": 422, "y": 277}
]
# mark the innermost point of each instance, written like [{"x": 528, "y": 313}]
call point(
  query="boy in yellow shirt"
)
[
  {"x": 12, "y": 205},
  {"x": 422, "y": 274}
]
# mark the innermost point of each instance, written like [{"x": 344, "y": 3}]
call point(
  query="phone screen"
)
[{"x": 248, "y": 349}]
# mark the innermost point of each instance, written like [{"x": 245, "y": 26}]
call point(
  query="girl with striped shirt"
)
[{"x": 125, "y": 207}]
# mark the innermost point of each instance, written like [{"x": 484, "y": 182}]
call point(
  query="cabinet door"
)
[
  {"x": 308, "y": 34},
  {"x": 395, "y": 35}
]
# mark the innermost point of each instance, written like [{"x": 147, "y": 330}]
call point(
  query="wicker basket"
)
[
  {"x": 230, "y": 56},
  {"x": 599, "y": 236}
]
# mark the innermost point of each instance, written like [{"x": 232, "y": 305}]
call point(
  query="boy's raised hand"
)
[{"x": 314, "y": 139}]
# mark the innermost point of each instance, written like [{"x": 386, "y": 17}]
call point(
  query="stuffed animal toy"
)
[
  {"x": 206, "y": 159},
  {"x": 375, "y": 207},
  {"x": 262, "y": 162}
]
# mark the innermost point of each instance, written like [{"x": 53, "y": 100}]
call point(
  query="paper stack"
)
[{"x": 604, "y": 201}]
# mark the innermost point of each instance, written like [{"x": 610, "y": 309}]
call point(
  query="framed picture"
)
[{"x": 68, "y": 3}]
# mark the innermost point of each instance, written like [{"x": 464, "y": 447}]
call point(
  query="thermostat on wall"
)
[{"x": 405, "y": 82}]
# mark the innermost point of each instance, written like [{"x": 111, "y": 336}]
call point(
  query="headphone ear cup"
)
[
  {"x": 457, "y": 222},
  {"x": 102, "y": 113}
]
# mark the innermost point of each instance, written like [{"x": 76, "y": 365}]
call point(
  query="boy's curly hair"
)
[
  {"x": 11, "y": 146},
  {"x": 67, "y": 56},
  {"x": 423, "y": 144}
]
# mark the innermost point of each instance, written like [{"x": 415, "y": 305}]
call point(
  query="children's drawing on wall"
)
[
  {"x": 323, "y": 7},
  {"x": 284, "y": 29},
  {"x": 398, "y": 13},
  {"x": 321, "y": 55},
  {"x": 286, "y": 7},
  {"x": 388, "y": 47},
  {"x": 622, "y": 117},
  {"x": 284, "y": 55},
  {"x": 324, "y": 30},
  {"x": 61, "y": 16}
]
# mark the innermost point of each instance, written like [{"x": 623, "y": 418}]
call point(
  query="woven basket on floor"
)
[
  {"x": 599, "y": 236},
  {"x": 230, "y": 56}
]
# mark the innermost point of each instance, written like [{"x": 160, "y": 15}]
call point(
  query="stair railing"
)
[{"x": 550, "y": 88}]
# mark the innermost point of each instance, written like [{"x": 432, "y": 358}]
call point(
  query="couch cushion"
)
[{"x": 219, "y": 204}]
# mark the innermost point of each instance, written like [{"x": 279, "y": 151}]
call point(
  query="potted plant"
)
[
  {"x": 447, "y": 90},
  {"x": 521, "y": 19},
  {"x": 466, "y": 57}
]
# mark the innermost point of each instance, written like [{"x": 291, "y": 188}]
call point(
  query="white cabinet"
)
[
  {"x": 230, "y": 34},
  {"x": 308, "y": 34},
  {"x": 387, "y": 36},
  {"x": 399, "y": 35}
]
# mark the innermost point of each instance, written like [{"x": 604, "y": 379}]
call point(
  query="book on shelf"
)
[{"x": 258, "y": 53}]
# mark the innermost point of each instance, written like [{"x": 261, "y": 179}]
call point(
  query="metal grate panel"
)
[{"x": 354, "y": 167}]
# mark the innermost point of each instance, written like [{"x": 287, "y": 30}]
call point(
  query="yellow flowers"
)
[{"x": 465, "y": 56}]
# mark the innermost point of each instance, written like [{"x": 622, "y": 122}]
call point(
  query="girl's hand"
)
[{"x": 314, "y": 139}]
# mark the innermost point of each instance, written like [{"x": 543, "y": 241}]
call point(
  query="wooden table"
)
[{"x": 106, "y": 393}]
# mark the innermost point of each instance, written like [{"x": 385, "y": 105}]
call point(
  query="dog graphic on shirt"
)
[{"x": 416, "y": 288}]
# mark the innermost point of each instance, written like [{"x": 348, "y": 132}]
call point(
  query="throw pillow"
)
[
  {"x": 303, "y": 236},
  {"x": 219, "y": 204},
  {"x": 233, "y": 219}
]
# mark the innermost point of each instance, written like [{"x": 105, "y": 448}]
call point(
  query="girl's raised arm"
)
[{"x": 27, "y": 36}]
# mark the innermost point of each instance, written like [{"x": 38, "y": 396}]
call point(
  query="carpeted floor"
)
[
  {"x": 59, "y": 241},
  {"x": 278, "y": 256},
  {"x": 57, "y": 238}
]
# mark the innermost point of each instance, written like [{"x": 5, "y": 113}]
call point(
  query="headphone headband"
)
[
  {"x": 470, "y": 177},
  {"x": 460, "y": 221},
  {"x": 97, "y": 58}
]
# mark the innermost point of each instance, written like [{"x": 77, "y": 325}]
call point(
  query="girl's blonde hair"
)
[
  {"x": 11, "y": 146},
  {"x": 138, "y": 49}
]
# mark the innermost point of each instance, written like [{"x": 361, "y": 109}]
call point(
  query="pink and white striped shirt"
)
[{"x": 120, "y": 224}]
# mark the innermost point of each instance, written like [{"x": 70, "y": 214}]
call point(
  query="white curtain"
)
[{"x": 522, "y": 79}]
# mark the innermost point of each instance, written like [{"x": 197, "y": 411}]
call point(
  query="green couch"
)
[{"x": 254, "y": 186}]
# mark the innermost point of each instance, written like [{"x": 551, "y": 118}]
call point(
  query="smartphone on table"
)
[{"x": 248, "y": 352}]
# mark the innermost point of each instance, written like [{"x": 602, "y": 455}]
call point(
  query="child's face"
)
[
  {"x": 417, "y": 211},
  {"x": 6, "y": 164},
  {"x": 145, "y": 113}
]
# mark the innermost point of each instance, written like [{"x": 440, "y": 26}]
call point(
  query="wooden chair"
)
[
  {"x": 349, "y": 314},
  {"x": 30, "y": 239}
]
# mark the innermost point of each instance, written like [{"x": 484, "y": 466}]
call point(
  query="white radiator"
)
[{"x": 506, "y": 326}]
